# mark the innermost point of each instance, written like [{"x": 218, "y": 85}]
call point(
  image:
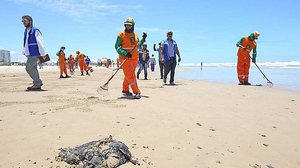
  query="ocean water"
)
[{"x": 284, "y": 77}]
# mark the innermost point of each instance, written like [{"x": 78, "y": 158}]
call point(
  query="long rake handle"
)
[
  {"x": 261, "y": 71},
  {"x": 118, "y": 68},
  {"x": 116, "y": 72}
]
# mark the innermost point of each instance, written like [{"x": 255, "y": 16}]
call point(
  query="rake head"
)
[
  {"x": 270, "y": 84},
  {"x": 103, "y": 90},
  {"x": 104, "y": 87}
]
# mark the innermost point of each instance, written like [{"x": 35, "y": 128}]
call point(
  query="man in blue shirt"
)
[
  {"x": 169, "y": 51},
  {"x": 143, "y": 61},
  {"x": 33, "y": 48}
]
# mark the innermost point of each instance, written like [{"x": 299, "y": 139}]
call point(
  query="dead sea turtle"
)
[{"x": 104, "y": 153}]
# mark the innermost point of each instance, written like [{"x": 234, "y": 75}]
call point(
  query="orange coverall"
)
[
  {"x": 71, "y": 63},
  {"x": 243, "y": 63},
  {"x": 62, "y": 63},
  {"x": 81, "y": 62},
  {"x": 129, "y": 41}
]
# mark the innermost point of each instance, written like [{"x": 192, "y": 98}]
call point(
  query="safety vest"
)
[
  {"x": 129, "y": 41},
  {"x": 33, "y": 47},
  {"x": 141, "y": 59},
  {"x": 166, "y": 49},
  {"x": 248, "y": 44}
]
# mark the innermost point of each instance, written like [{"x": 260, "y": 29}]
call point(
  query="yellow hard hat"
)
[
  {"x": 256, "y": 34},
  {"x": 129, "y": 21}
]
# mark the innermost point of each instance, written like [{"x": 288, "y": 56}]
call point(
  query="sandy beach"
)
[{"x": 194, "y": 124}]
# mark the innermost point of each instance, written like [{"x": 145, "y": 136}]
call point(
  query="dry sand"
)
[{"x": 194, "y": 124}]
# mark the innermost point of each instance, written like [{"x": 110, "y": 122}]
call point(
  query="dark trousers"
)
[
  {"x": 170, "y": 65},
  {"x": 161, "y": 67},
  {"x": 142, "y": 67},
  {"x": 152, "y": 67}
]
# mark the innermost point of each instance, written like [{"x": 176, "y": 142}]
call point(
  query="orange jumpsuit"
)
[
  {"x": 71, "y": 63},
  {"x": 62, "y": 63},
  {"x": 243, "y": 63},
  {"x": 128, "y": 42},
  {"x": 81, "y": 62}
]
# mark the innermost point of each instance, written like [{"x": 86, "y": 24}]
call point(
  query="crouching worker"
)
[{"x": 82, "y": 64}]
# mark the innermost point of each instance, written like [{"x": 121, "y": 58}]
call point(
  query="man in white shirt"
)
[{"x": 33, "y": 49}]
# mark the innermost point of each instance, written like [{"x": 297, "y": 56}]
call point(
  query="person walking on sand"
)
[
  {"x": 143, "y": 61},
  {"x": 62, "y": 63},
  {"x": 246, "y": 45},
  {"x": 152, "y": 63},
  {"x": 160, "y": 59},
  {"x": 169, "y": 51},
  {"x": 127, "y": 45},
  {"x": 33, "y": 48}
]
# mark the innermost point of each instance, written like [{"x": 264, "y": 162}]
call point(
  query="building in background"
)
[{"x": 5, "y": 57}]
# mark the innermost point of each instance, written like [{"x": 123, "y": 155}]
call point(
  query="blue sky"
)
[{"x": 204, "y": 30}]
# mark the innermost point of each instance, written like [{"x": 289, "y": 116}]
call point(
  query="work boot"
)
[
  {"x": 82, "y": 74},
  {"x": 127, "y": 93},
  {"x": 87, "y": 73},
  {"x": 241, "y": 83},
  {"x": 137, "y": 76},
  {"x": 61, "y": 76},
  {"x": 172, "y": 83},
  {"x": 247, "y": 83},
  {"x": 137, "y": 96},
  {"x": 34, "y": 87}
]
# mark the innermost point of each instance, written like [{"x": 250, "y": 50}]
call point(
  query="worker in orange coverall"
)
[
  {"x": 71, "y": 63},
  {"x": 62, "y": 62},
  {"x": 127, "y": 45},
  {"x": 246, "y": 45},
  {"x": 81, "y": 61}
]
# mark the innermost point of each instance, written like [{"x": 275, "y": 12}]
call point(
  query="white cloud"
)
[{"x": 81, "y": 9}]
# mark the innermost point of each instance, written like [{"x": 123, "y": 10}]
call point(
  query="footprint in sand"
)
[
  {"x": 199, "y": 124},
  {"x": 219, "y": 162},
  {"x": 198, "y": 147},
  {"x": 230, "y": 151},
  {"x": 255, "y": 166},
  {"x": 263, "y": 135}
]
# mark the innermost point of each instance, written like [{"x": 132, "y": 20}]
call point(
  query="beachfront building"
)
[{"x": 5, "y": 57}]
